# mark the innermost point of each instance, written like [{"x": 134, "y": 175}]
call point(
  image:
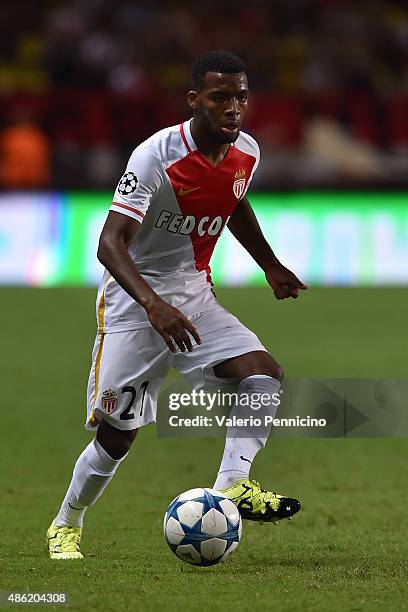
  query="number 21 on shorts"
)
[{"x": 130, "y": 412}]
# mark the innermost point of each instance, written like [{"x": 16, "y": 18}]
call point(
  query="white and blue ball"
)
[{"x": 202, "y": 526}]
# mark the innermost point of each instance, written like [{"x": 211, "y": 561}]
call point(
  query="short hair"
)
[{"x": 215, "y": 61}]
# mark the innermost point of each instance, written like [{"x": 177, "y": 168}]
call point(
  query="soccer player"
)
[{"x": 156, "y": 307}]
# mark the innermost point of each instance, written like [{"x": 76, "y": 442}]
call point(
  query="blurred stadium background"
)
[{"x": 82, "y": 83}]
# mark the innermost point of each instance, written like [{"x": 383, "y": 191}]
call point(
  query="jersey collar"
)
[{"x": 186, "y": 130}]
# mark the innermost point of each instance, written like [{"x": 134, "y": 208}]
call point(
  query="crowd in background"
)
[{"x": 83, "y": 82}]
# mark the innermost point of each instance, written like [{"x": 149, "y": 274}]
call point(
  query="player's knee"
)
[
  {"x": 116, "y": 442},
  {"x": 270, "y": 368},
  {"x": 123, "y": 444},
  {"x": 251, "y": 364},
  {"x": 267, "y": 366},
  {"x": 273, "y": 370},
  {"x": 277, "y": 372}
]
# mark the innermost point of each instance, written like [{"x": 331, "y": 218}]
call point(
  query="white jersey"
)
[{"x": 183, "y": 203}]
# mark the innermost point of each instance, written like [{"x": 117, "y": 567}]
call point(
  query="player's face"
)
[{"x": 220, "y": 105}]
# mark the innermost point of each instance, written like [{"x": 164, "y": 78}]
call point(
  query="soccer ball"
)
[{"x": 202, "y": 526}]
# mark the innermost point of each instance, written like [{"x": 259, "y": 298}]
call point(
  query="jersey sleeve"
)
[{"x": 139, "y": 185}]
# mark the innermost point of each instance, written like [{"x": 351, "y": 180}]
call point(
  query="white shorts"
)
[{"x": 128, "y": 367}]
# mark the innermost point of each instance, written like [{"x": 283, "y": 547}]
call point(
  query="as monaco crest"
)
[
  {"x": 238, "y": 186},
  {"x": 109, "y": 401}
]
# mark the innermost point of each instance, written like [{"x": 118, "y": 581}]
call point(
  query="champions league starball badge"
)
[{"x": 128, "y": 184}]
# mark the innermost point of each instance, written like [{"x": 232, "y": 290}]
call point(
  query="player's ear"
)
[{"x": 192, "y": 97}]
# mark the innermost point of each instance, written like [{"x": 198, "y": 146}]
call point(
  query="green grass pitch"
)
[{"x": 347, "y": 548}]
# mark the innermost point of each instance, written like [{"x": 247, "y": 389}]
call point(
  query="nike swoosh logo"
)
[
  {"x": 183, "y": 192},
  {"x": 244, "y": 459}
]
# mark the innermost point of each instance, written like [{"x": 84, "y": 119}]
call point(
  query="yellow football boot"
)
[
  {"x": 63, "y": 542},
  {"x": 256, "y": 504}
]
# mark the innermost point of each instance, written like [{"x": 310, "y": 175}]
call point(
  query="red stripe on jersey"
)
[
  {"x": 206, "y": 191},
  {"x": 137, "y": 212},
  {"x": 184, "y": 138}
]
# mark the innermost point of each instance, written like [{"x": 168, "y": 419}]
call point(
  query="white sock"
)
[
  {"x": 92, "y": 473},
  {"x": 243, "y": 443}
]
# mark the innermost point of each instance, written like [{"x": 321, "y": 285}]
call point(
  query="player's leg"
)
[
  {"x": 122, "y": 394},
  {"x": 257, "y": 373},
  {"x": 231, "y": 352},
  {"x": 93, "y": 470}
]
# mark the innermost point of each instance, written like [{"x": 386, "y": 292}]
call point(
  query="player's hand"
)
[
  {"x": 284, "y": 283},
  {"x": 173, "y": 326}
]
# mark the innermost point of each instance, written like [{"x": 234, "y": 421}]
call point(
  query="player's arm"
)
[
  {"x": 171, "y": 324},
  {"x": 244, "y": 225}
]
